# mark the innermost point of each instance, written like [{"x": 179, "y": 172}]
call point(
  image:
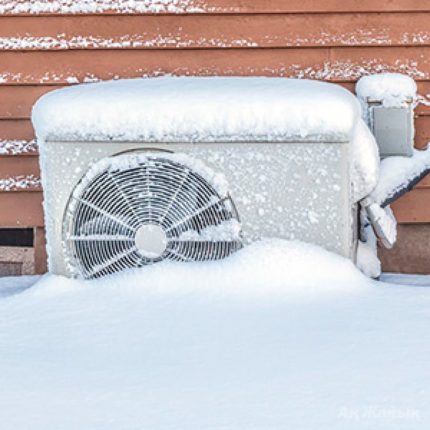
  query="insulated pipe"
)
[{"x": 406, "y": 188}]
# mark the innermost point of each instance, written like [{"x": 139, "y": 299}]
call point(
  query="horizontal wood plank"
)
[
  {"x": 411, "y": 253},
  {"x": 17, "y": 101},
  {"x": 27, "y": 7},
  {"x": 424, "y": 183},
  {"x": 207, "y": 31},
  {"x": 16, "y": 129},
  {"x": 14, "y": 148},
  {"x": 422, "y": 131},
  {"x": 19, "y": 166},
  {"x": 21, "y": 209},
  {"x": 333, "y": 64},
  {"x": 423, "y": 107},
  {"x": 413, "y": 207}
]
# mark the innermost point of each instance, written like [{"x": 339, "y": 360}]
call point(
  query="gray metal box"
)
[
  {"x": 393, "y": 129},
  {"x": 289, "y": 190}
]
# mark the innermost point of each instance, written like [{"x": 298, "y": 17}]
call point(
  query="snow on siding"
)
[
  {"x": 327, "y": 71},
  {"x": 61, "y": 41},
  {"x": 350, "y": 70},
  {"x": 180, "y": 41},
  {"x": 99, "y": 6},
  {"x": 18, "y": 147},
  {"x": 21, "y": 182}
]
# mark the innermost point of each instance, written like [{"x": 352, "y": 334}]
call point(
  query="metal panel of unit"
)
[
  {"x": 393, "y": 129},
  {"x": 291, "y": 190}
]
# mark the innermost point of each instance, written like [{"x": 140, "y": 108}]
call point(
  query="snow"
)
[
  {"x": 257, "y": 341},
  {"x": 392, "y": 89},
  {"x": 384, "y": 224},
  {"x": 406, "y": 279},
  {"x": 17, "y": 147},
  {"x": 213, "y": 110},
  {"x": 367, "y": 259},
  {"x": 397, "y": 172},
  {"x": 20, "y": 182},
  {"x": 198, "y": 109},
  {"x": 135, "y": 160},
  {"x": 98, "y": 6},
  {"x": 226, "y": 231},
  {"x": 62, "y": 41},
  {"x": 10, "y": 285},
  {"x": 367, "y": 247},
  {"x": 364, "y": 162}
]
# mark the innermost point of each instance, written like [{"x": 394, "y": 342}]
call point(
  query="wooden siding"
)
[
  {"x": 338, "y": 41},
  {"x": 23, "y": 7}
]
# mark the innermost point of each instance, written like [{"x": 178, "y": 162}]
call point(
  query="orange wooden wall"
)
[{"x": 335, "y": 40}]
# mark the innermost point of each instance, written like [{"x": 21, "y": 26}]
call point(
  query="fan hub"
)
[{"x": 151, "y": 240}]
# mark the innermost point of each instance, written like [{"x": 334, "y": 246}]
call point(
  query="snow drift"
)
[
  {"x": 268, "y": 266},
  {"x": 280, "y": 335}
]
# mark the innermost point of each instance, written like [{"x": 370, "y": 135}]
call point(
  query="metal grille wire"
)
[{"x": 102, "y": 218}]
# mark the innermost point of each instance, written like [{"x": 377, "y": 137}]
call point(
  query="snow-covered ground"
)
[{"x": 281, "y": 335}]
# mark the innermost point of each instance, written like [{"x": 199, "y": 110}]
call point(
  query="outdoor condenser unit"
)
[{"x": 189, "y": 169}]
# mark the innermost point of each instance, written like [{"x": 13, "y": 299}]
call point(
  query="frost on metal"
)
[
  {"x": 20, "y": 182},
  {"x": 135, "y": 209},
  {"x": 100, "y": 6},
  {"x": 17, "y": 147},
  {"x": 294, "y": 191},
  {"x": 134, "y": 160}
]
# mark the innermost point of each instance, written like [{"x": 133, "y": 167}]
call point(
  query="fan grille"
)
[{"x": 113, "y": 207}]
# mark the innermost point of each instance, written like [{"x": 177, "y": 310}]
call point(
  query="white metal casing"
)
[{"x": 291, "y": 190}]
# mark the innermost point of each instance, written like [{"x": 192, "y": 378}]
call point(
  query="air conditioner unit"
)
[{"x": 187, "y": 169}]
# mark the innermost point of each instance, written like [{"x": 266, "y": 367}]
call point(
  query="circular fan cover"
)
[{"x": 140, "y": 208}]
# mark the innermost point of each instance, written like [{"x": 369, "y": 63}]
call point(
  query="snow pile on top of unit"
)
[
  {"x": 392, "y": 89},
  {"x": 364, "y": 162},
  {"x": 198, "y": 109},
  {"x": 398, "y": 173}
]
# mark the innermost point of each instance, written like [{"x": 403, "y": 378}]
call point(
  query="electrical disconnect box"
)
[{"x": 393, "y": 128}]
